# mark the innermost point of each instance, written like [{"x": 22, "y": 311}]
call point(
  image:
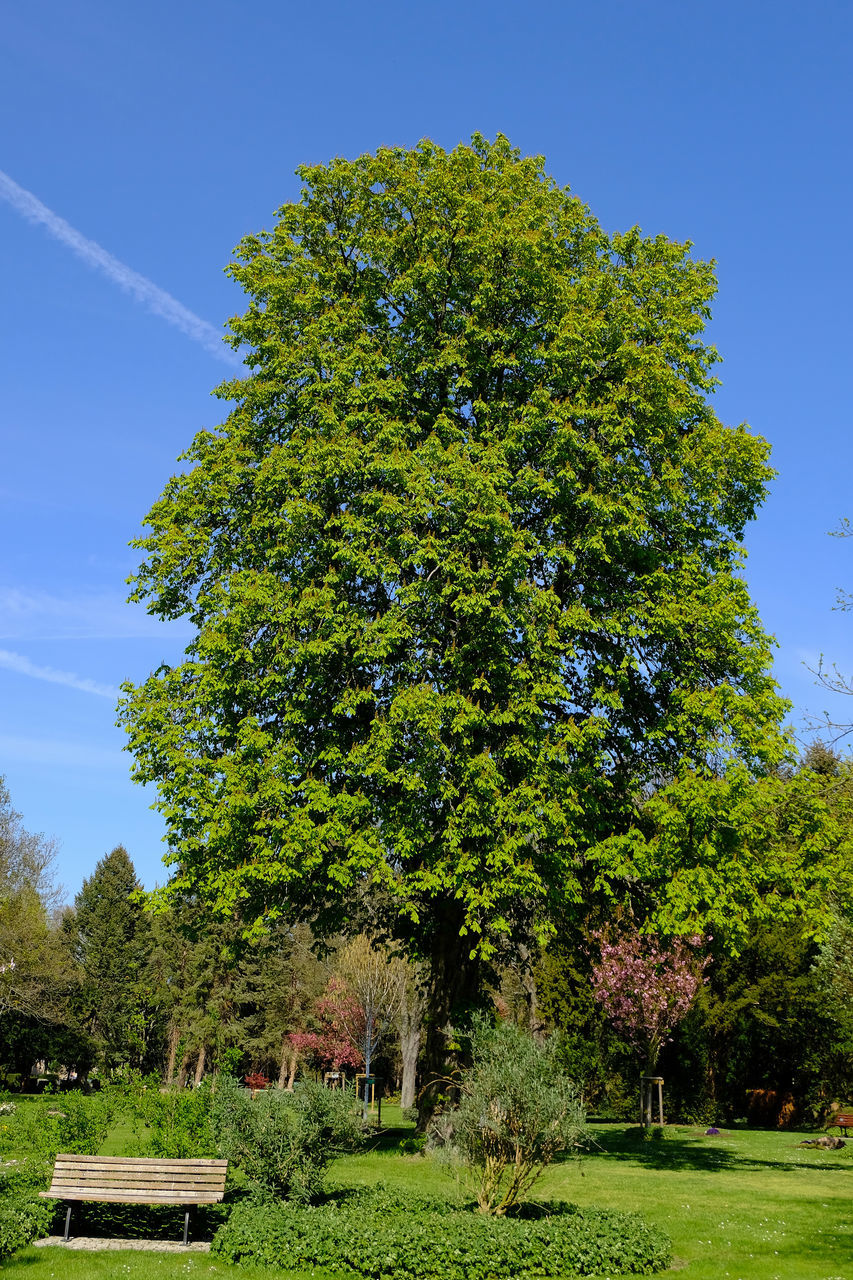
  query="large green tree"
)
[{"x": 463, "y": 564}]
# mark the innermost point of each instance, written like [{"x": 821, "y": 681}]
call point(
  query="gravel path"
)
[{"x": 151, "y": 1246}]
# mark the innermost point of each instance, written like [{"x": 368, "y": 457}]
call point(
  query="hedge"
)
[{"x": 376, "y": 1234}]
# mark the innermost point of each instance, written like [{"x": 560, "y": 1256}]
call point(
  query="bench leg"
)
[
  {"x": 67, "y": 1225},
  {"x": 186, "y": 1225}
]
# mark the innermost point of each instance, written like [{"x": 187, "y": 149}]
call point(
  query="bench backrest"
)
[{"x": 126, "y": 1180}]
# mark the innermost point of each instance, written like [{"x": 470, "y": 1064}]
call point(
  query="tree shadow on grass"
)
[
  {"x": 679, "y": 1151},
  {"x": 386, "y": 1140}
]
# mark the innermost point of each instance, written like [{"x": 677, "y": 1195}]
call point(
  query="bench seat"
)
[{"x": 129, "y": 1180}]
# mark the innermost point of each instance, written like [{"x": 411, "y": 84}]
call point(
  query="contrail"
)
[
  {"x": 17, "y": 662},
  {"x": 140, "y": 287}
]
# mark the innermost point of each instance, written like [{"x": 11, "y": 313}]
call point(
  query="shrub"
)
[
  {"x": 24, "y": 1217},
  {"x": 72, "y": 1122},
  {"x": 518, "y": 1110},
  {"x": 284, "y": 1141},
  {"x": 371, "y": 1234},
  {"x": 180, "y": 1120}
]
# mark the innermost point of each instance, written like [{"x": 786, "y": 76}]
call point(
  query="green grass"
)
[
  {"x": 68, "y": 1264},
  {"x": 747, "y": 1205}
]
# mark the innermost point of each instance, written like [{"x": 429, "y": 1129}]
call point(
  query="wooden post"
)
[{"x": 647, "y": 1100}]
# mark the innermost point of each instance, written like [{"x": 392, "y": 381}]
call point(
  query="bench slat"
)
[
  {"x": 141, "y": 1162},
  {"x": 141, "y": 1184},
  {"x": 64, "y": 1189},
  {"x": 89, "y": 1193},
  {"x": 142, "y": 1175}
]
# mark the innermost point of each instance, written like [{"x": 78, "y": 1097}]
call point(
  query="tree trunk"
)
[
  {"x": 183, "y": 1070},
  {"x": 368, "y": 1045},
  {"x": 289, "y": 1062},
  {"x": 172, "y": 1053},
  {"x": 410, "y": 1019},
  {"x": 527, "y": 978},
  {"x": 410, "y": 1047},
  {"x": 454, "y": 991},
  {"x": 199, "y": 1066}
]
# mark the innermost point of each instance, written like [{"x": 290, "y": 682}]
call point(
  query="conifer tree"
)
[{"x": 111, "y": 941}]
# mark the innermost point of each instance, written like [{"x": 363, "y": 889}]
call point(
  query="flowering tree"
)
[
  {"x": 336, "y": 1044},
  {"x": 646, "y": 985},
  {"x": 361, "y": 1002}
]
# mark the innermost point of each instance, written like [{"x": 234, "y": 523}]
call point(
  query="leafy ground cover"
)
[
  {"x": 744, "y": 1205},
  {"x": 384, "y": 1234}
]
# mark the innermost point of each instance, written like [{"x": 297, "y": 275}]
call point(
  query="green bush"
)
[
  {"x": 371, "y": 1234},
  {"x": 284, "y": 1141},
  {"x": 180, "y": 1122},
  {"x": 71, "y": 1122},
  {"x": 24, "y": 1216},
  {"x": 517, "y": 1111}
]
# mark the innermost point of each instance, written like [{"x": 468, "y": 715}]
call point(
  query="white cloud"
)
[
  {"x": 138, "y": 286},
  {"x": 17, "y": 662}
]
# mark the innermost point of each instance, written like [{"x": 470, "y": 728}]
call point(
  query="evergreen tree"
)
[{"x": 111, "y": 940}]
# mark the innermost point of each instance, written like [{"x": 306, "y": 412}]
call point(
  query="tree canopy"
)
[{"x": 463, "y": 563}]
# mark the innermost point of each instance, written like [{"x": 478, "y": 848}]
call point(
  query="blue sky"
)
[{"x": 164, "y": 132}]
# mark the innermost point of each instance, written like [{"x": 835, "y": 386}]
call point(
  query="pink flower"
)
[{"x": 646, "y": 985}]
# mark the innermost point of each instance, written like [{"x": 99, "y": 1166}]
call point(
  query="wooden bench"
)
[
  {"x": 841, "y": 1120},
  {"x": 124, "y": 1180}
]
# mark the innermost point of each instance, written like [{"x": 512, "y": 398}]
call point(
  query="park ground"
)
[{"x": 743, "y": 1205}]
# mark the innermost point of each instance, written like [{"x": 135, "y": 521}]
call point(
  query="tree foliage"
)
[
  {"x": 35, "y": 966},
  {"x": 377, "y": 981},
  {"x": 464, "y": 567}
]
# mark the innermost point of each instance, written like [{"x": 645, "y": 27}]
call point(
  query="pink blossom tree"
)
[
  {"x": 335, "y": 1045},
  {"x": 646, "y": 985}
]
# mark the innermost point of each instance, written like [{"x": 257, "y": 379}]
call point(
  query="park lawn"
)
[
  {"x": 746, "y": 1205},
  {"x": 69, "y": 1264}
]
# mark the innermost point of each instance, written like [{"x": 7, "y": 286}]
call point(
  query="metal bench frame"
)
[{"x": 128, "y": 1180}]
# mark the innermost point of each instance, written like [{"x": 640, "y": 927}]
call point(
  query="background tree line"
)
[{"x": 104, "y": 985}]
